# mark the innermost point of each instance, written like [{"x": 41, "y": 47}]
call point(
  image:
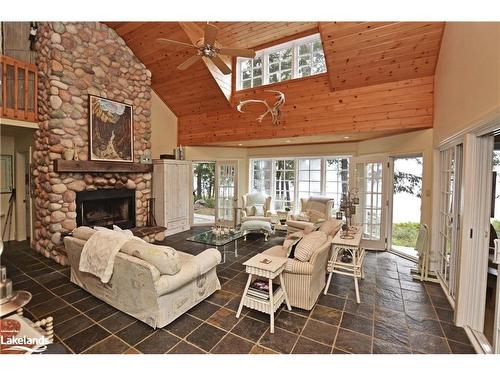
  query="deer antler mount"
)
[{"x": 274, "y": 110}]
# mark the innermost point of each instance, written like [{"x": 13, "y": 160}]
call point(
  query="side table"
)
[
  {"x": 347, "y": 258},
  {"x": 268, "y": 267}
]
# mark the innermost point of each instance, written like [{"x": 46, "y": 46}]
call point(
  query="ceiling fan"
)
[{"x": 209, "y": 47}]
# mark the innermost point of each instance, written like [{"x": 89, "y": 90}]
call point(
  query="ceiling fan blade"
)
[
  {"x": 176, "y": 42},
  {"x": 239, "y": 52},
  {"x": 221, "y": 65},
  {"x": 186, "y": 64},
  {"x": 210, "y": 34}
]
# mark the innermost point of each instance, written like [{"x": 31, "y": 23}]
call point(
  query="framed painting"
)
[
  {"x": 110, "y": 130},
  {"x": 6, "y": 177}
]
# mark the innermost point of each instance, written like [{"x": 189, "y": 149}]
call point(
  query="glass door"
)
[
  {"x": 405, "y": 207},
  {"x": 203, "y": 192},
  {"x": 371, "y": 180},
  {"x": 450, "y": 186},
  {"x": 226, "y": 173}
]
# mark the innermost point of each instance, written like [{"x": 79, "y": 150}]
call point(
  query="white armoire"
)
[{"x": 172, "y": 191}]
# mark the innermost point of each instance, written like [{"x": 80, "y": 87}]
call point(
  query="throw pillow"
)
[
  {"x": 259, "y": 210},
  {"x": 303, "y": 216},
  {"x": 164, "y": 258},
  {"x": 331, "y": 227},
  {"x": 315, "y": 215},
  {"x": 308, "y": 245},
  {"x": 250, "y": 211}
]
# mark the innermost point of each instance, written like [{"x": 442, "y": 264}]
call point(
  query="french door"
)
[
  {"x": 371, "y": 176},
  {"x": 450, "y": 210},
  {"x": 226, "y": 193}
]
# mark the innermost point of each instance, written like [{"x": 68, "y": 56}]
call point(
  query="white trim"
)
[
  {"x": 487, "y": 124},
  {"x": 475, "y": 233},
  {"x": 264, "y": 55}
]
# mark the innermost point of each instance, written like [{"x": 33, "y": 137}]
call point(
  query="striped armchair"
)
[{"x": 305, "y": 280}]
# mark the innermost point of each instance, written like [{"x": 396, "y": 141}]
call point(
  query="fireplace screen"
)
[{"x": 106, "y": 208}]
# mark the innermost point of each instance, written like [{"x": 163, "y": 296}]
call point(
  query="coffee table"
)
[{"x": 210, "y": 239}]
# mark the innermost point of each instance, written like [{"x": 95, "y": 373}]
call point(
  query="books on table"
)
[{"x": 260, "y": 289}]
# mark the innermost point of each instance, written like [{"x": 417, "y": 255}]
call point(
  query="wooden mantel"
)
[{"x": 84, "y": 166}]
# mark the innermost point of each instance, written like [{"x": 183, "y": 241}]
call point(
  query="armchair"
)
[
  {"x": 305, "y": 280},
  {"x": 313, "y": 209},
  {"x": 256, "y": 206}
]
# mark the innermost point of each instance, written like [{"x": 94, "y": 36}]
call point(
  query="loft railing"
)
[{"x": 18, "y": 89}]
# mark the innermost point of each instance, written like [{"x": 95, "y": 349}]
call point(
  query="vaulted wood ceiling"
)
[{"x": 382, "y": 71}]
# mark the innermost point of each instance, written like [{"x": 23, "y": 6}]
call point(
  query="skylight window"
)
[{"x": 295, "y": 59}]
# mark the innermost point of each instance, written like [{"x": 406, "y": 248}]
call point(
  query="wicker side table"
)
[
  {"x": 347, "y": 258},
  {"x": 268, "y": 267}
]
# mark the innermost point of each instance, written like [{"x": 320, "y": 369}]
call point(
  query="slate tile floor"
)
[{"x": 397, "y": 315}]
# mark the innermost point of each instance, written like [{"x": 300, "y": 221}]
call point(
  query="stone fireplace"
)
[
  {"x": 73, "y": 61},
  {"x": 106, "y": 208}
]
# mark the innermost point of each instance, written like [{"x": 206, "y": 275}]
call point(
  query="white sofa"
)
[{"x": 139, "y": 289}]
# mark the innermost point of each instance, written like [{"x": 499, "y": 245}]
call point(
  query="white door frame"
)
[
  {"x": 390, "y": 198},
  {"x": 191, "y": 206},
  {"x": 218, "y": 164},
  {"x": 374, "y": 158}
]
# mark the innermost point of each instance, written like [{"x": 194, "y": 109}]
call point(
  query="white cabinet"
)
[{"x": 172, "y": 192}]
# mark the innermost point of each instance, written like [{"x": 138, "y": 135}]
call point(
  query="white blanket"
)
[{"x": 98, "y": 254}]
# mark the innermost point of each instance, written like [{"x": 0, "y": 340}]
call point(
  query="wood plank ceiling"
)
[{"x": 379, "y": 79}]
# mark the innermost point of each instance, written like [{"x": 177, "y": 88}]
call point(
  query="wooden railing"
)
[{"x": 18, "y": 90}]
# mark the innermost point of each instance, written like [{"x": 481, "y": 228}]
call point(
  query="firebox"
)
[{"x": 105, "y": 208}]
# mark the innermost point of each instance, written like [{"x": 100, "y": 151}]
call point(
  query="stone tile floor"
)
[{"x": 396, "y": 315}]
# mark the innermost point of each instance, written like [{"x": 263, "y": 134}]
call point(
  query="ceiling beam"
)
[{"x": 195, "y": 33}]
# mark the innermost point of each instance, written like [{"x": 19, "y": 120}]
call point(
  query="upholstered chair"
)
[
  {"x": 313, "y": 210},
  {"x": 256, "y": 206},
  {"x": 305, "y": 272}
]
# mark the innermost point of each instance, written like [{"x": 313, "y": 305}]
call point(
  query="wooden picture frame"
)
[
  {"x": 7, "y": 176},
  {"x": 111, "y": 130}
]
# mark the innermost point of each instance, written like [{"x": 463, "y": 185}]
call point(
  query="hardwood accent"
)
[
  {"x": 311, "y": 108},
  {"x": 367, "y": 53},
  {"x": 185, "y": 92},
  {"x": 15, "y": 103},
  {"x": 258, "y": 34},
  {"x": 84, "y": 166},
  {"x": 198, "y": 89}
]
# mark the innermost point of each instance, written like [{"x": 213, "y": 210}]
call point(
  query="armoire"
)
[{"x": 172, "y": 193}]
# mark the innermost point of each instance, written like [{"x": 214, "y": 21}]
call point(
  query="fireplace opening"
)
[{"x": 106, "y": 208}]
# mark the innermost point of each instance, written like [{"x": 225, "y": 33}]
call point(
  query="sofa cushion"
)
[
  {"x": 164, "y": 258},
  {"x": 309, "y": 244}
]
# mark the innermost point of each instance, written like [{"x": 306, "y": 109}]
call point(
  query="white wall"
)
[
  {"x": 163, "y": 128},
  {"x": 467, "y": 79}
]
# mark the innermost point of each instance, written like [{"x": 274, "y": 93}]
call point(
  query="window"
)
[
  {"x": 299, "y": 58},
  {"x": 337, "y": 179},
  {"x": 285, "y": 184},
  {"x": 261, "y": 176},
  {"x": 289, "y": 179},
  {"x": 251, "y": 73},
  {"x": 309, "y": 177}
]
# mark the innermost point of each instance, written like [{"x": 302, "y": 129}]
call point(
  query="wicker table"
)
[
  {"x": 347, "y": 258},
  {"x": 268, "y": 267}
]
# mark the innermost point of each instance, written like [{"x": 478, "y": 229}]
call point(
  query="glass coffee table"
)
[{"x": 210, "y": 239}]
